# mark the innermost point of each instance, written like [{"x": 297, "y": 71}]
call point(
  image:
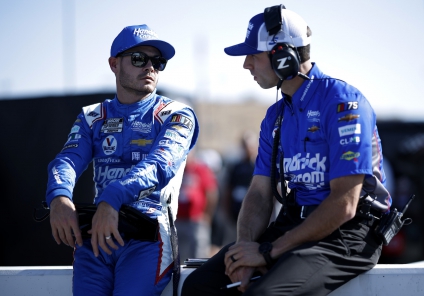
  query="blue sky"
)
[{"x": 55, "y": 47}]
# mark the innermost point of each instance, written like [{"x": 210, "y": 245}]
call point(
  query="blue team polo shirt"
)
[{"x": 328, "y": 131}]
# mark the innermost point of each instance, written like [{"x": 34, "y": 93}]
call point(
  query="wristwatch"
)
[{"x": 265, "y": 249}]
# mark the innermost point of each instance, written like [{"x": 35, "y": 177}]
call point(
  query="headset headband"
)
[{"x": 273, "y": 20}]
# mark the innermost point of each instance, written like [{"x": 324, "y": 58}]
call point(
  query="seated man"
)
[{"x": 321, "y": 138}]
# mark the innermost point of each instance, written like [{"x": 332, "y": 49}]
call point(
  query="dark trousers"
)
[{"x": 315, "y": 268}]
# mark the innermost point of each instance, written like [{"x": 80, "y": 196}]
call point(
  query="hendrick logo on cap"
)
[
  {"x": 145, "y": 34},
  {"x": 249, "y": 29}
]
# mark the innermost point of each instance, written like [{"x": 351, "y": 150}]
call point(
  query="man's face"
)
[
  {"x": 139, "y": 80},
  {"x": 261, "y": 70}
]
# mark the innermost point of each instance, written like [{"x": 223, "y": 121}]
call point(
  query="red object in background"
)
[
  {"x": 198, "y": 179},
  {"x": 396, "y": 246}
]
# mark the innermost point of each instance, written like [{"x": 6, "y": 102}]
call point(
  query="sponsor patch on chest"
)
[
  {"x": 109, "y": 145},
  {"x": 112, "y": 125}
]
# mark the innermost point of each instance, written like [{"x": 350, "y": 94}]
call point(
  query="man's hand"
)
[
  {"x": 243, "y": 254},
  {"x": 241, "y": 261},
  {"x": 105, "y": 229},
  {"x": 64, "y": 221},
  {"x": 242, "y": 274}
]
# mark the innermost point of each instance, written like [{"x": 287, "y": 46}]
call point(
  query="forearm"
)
[
  {"x": 254, "y": 214},
  {"x": 61, "y": 178}
]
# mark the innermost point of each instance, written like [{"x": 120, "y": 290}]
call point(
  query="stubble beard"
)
[{"x": 132, "y": 86}]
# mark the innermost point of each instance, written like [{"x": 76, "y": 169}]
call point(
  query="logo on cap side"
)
[
  {"x": 273, "y": 41},
  {"x": 249, "y": 29}
]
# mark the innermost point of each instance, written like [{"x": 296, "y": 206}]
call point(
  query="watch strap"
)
[
  {"x": 268, "y": 259},
  {"x": 265, "y": 249}
]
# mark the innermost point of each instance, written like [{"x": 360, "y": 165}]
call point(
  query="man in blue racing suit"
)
[
  {"x": 321, "y": 139},
  {"x": 138, "y": 143}
]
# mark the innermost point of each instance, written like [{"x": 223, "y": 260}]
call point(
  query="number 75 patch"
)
[{"x": 347, "y": 106}]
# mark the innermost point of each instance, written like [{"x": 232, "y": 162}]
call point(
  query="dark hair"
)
[{"x": 305, "y": 51}]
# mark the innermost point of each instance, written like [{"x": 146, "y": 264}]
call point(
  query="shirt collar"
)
[{"x": 305, "y": 92}]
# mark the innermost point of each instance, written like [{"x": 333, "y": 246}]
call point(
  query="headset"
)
[{"x": 285, "y": 60}]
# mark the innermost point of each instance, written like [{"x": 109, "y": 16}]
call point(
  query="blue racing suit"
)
[
  {"x": 328, "y": 130},
  {"x": 139, "y": 153}
]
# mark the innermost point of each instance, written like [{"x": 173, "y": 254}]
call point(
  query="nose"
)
[
  {"x": 248, "y": 62},
  {"x": 149, "y": 66}
]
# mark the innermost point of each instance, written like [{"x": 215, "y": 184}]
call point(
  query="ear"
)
[{"x": 113, "y": 62}]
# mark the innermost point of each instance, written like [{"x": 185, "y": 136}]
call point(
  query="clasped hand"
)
[
  {"x": 241, "y": 261},
  {"x": 104, "y": 226}
]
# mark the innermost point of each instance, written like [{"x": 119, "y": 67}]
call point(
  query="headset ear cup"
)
[{"x": 284, "y": 61}]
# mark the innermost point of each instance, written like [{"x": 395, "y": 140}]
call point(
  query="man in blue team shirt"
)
[
  {"x": 138, "y": 143},
  {"x": 321, "y": 140}
]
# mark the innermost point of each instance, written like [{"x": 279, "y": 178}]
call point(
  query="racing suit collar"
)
[{"x": 146, "y": 103}]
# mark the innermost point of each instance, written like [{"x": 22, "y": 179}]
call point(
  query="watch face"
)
[{"x": 265, "y": 247}]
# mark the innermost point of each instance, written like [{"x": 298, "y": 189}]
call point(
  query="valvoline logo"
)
[{"x": 109, "y": 145}]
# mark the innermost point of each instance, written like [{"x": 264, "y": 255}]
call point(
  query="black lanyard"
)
[{"x": 282, "y": 199}]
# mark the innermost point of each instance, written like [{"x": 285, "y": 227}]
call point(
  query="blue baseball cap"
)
[
  {"x": 132, "y": 36},
  {"x": 293, "y": 31}
]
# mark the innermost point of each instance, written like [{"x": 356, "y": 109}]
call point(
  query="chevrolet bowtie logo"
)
[
  {"x": 349, "y": 117},
  {"x": 313, "y": 129},
  {"x": 141, "y": 142}
]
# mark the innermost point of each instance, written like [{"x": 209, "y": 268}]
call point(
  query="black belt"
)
[
  {"x": 298, "y": 213},
  {"x": 132, "y": 224},
  {"x": 294, "y": 213}
]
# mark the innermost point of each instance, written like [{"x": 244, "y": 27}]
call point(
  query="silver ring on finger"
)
[{"x": 108, "y": 237}]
